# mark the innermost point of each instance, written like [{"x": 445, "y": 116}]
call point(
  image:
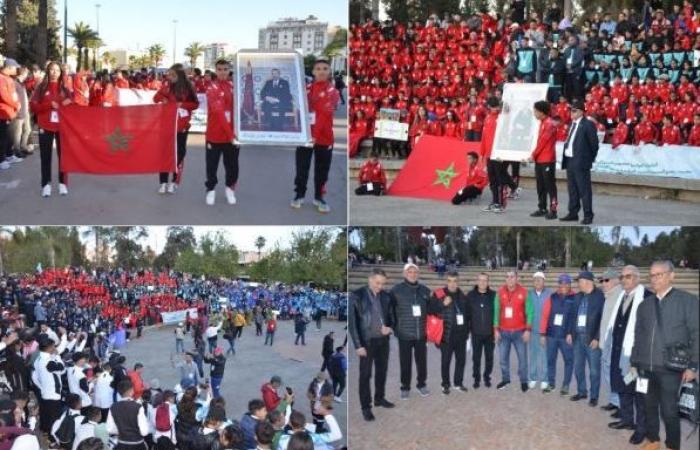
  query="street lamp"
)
[
  {"x": 97, "y": 12},
  {"x": 174, "y": 40},
  {"x": 65, "y": 31}
]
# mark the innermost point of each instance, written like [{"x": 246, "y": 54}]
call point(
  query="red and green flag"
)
[
  {"x": 119, "y": 140},
  {"x": 436, "y": 169}
]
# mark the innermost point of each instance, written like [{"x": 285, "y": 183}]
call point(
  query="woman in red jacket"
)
[
  {"x": 419, "y": 126},
  {"x": 102, "y": 91},
  {"x": 359, "y": 130},
  {"x": 178, "y": 90},
  {"x": 46, "y": 102},
  {"x": 453, "y": 128}
]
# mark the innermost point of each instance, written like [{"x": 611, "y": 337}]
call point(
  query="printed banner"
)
[
  {"x": 133, "y": 97},
  {"x": 390, "y": 129},
  {"x": 173, "y": 317}
]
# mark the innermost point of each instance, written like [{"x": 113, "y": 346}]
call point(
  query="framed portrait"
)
[{"x": 270, "y": 106}]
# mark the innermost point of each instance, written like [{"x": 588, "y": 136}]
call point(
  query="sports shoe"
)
[
  {"x": 547, "y": 390},
  {"x": 297, "y": 203},
  {"x": 4, "y": 165},
  {"x": 62, "y": 189},
  {"x": 383, "y": 403},
  {"x": 46, "y": 191},
  {"x": 14, "y": 159},
  {"x": 498, "y": 209},
  {"x": 367, "y": 415},
  {"x": 323, "y": 207},
  {"x": 405, "y": 394},
  {"x": 515, "y": 195},
  {"x": 445, "y": 391},
  {"x": 524, "y": 387},
  {"x": 502, "y": 385},
  {"x": 475, "y": 385},
  {"x": 489, "y": 208},
  {"x": 336, "y": 399},
  {"x": 462, "y": 388},
  {"x": 564, "y": 390},
  {"x": 487, "y": 383},
  {"x": 230, "y": 196},
  {"x": 211, "y": 197},
  {"x": 172, "y": 187},
  {"x": 544, "y": 385},
  {"x": 532, "y": 384},
  {"x": 539, "y": 213},
  {"x": 423, "y": 391},
  {"x": 162, "y": 188},
  {"x": 551, "y": 215}
]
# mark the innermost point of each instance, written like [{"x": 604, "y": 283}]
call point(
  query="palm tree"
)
[
  {"x": 156, "y": 52},
  {"x": 194, "y": 51},
  {"x": 95, "y": 45},
  {"x": 42, "y": 39},
  {"x": 259, "y": 244},
  {"x": 11, "y": 28},
  {"x": 617, "y": 236},
  {"x": 82, "y": 35}
]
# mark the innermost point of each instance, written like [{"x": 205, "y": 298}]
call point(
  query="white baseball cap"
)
[
  {"x": 539, "y": 274},
  {"x": 409, "y": 266}
]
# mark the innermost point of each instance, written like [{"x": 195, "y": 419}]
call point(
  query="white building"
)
[
  {"x": 213, "y": 52},
  {"x": 310, "y": 36}
]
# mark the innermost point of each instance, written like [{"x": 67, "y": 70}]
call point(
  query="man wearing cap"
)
[
  {"x": 370, "y": 326},
  {"x": 580, "y": 151},
  {"x": 512, "y": 322},
  {"x": 620, "y": 337},
  {"x": 409, "y": 302},
  {"x": 545, "y": 157},
  {"x": 556, "y": 331},
  {"x": 9, "y": 105},
  {"x": 610, "y": 284},
  {"x": 538, "y": 356},
  {"x": 589, "y": 310}
]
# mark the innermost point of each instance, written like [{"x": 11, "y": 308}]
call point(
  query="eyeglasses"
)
[{"x": 653, "y": 276}]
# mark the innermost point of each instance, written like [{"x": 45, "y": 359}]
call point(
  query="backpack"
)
[
  {"x": 271, "y": 325},
  {"x": 163, "y": 417},
  {"x": 66, "y": 431}
]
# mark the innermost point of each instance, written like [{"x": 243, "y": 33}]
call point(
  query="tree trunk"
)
[
  {"x": 42, "y": 33},
  {"x": 11, "y": 28},
  {"x": 567, "y": 249},
  {"x": 399, "y": 250},
  {"x": 517, "y": 246},
  {"x": 375, "y": 9},
  {"x": 86, "y": 57},
  {"x": 568, "y": 8},
  {"x": 94, "y": 59},
  {"x": 80, "y": 59}
]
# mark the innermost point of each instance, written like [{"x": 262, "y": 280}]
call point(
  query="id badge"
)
[
  {"x": 610, "y": 121},
  {"x": 416, "y": 310},
  {"x": 228, "y": 116},
  {"x": 54, "y": 117},
  {"x": 183, "y": 112},
  {"x": 370, "y": 187},
  {"x": 460, "y": 319},
  {"x": 558, "y": 320},
  {"x": 312, "y": 118},
  {"x": 472, "y": 119},
  {"x": 642, "y": 385},
  {"x": 582, "y": 321},
  {"x": 509, "y": 312}
]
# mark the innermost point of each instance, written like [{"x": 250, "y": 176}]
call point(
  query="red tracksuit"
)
[
  {"x": 644, "y": 132},
  {"x": 372, "y": 173},
  {"x": 694, "y": 136},
  {"x": 671, "y": 135},
  {"x": 9, "y": 103},
  {"x": 220, "y": 112},
  {"x": 620, "y": 135},
  {"x": 323, "y": 99}
]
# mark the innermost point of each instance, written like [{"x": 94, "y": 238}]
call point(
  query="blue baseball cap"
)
[
  {"x": 564, "y": 278},
  {"x": 585, "y": 275}
]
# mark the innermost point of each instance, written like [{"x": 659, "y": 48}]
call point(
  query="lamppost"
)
[
  {"x": 174, "y": 40},
  {"x": 65, "y": 31},
  {"x": 97, "y": 12}
]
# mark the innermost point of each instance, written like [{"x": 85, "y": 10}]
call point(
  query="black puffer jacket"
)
[
  {"x": 449, "y": 313},
  {"x": 360, "y": 317},
  {"x": 481, "y": 311},
  {"x": 405, "y": 296}
]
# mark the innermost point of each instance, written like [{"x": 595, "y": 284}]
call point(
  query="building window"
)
[
  {"x": 296, "y": 39},
  {"x": 318, "y": 40}
]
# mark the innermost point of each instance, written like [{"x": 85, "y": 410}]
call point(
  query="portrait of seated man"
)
[{"x": 276, "y": 100}]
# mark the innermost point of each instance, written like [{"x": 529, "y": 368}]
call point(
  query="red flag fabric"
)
[
  {"x": 436, "y": 169},
  {"x": 120, "y": 140}
]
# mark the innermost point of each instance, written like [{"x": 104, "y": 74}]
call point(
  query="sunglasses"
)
[{"x": 605, "y": 280}]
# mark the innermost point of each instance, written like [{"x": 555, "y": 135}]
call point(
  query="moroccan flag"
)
[
  {"x": 119, "y": 140},
  {"x": 436, "y": 169}
]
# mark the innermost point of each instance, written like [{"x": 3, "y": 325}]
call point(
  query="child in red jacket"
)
[
  {"x": 544, "y": 156},
  {"x": 372, "y": 177},
  {"x": 475, "y": 183},
  {"x": 323, "y": 99}
]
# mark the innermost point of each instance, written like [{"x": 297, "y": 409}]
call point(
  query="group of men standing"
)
[{"x": 613, "y": 329}]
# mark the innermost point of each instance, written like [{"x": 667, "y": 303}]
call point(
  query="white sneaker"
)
[
  {"x": 338, "y": 399},
  {"x": 211, "y": 197},
  {"x": 46, "y": 191},
  {"x": 162, "y": 188},
  {"x": 14, "y": 159},
  {"x": 297, "y": 203},
  {"x": 230, "y": 196},
  {"x": 172, "y": 187},
  {"x": 543, "y": 386},
  {"x": 4, "y": 165},
  {"x": 532, "y": 384},
  {"x": 62, "y": 189}
]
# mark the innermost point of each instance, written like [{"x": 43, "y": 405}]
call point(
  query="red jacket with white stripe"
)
[
  {"x": 323, "y": 99},
  {"x": 220, "y": 112}
]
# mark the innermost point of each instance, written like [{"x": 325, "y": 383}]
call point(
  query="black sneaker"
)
[
  {"x": 461, "y": 388},
  {"x": 502, "y": 385},
  {"x": 547, "y": 390},
  {"x": 475, "y": 385},
  {"x": 487, "y": 383},
  {"x": 539, "y": 213},
  {"x": 367, "y": 414},
  {"x": 577, "y": 397},
  {"x": 593, "y": 403},
  {"x": 551, "y": 215},
  {"x": 524, "y": 387},
  {"x": 445, "y": 391},
  {"x": 384, "y": 403}
]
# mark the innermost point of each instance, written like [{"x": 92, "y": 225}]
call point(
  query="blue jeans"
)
[
  {"x": 216, "y": 385},
  {"x": 613, "y": 397},
  {"x": 269, "y": 336},
  {"x": 179, "y": 346},
  {"x": 538, "y": 359},
  {"x": 212, "y": 344},
  {"x": 567, "y": 352},
  {"x": 584, "y": 353},
  {"x": 231, "y": 346},
  {"x": 516, "y": 339}
]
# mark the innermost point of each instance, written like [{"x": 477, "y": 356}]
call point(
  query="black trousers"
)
[
  {"x": 545, "y": 175},
  {"x": 377, "y": 356},
  {"x": 323, "y": 155},
  {"x": 46, "y": 139},
  {"x": 213, "y": 155},
  {"x": 632, "y": 411},
  {"x": 515, "y": 177},
  {"x": 377, "y": 189},
  {"x": 499, "y": 179},
  {"x": 465, "y": 194},
  {"x": 5, "y": 140},
  {"x": 458, "y": 347},
  {"x": 49, "y": 412},
  {"x": 662, "y": 394},
  {"x": 338, "y": 384},
  {"x": 580, "y": 191},
  {"x": 407, "y": 350},
  {"x": 485, "y": 345},
  {"x": 181, "y": 151}
]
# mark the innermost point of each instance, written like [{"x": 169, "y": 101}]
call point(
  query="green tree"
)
[
  {"x": 128, "y": 252},
  {"x": 260, "y": 244},
  {"x": 194, "y": 51},
  {"x": 339, "y": 42},
  {"x": 10, "y": 29},
  {"x": 28, "y": 32},
  {"x": 156, "y": 52},
  {"x": 179, "y": 239},
  {"x": 42, "y": 33},
  {"x": 82, "y": 36}
]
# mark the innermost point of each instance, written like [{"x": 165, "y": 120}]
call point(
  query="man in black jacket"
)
[
  {"x": 676, "y": 324},
  {"x": 409, "y": 302},
  {"x": 327, "y": 349},
  {"x": 480, "y": 305},
  {"x": 580, "y": 151},
  {"x": 370, "y": 326},
  {"x": 451, "y": 305}
]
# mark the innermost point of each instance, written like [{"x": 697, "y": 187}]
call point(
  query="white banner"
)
[
  {"x": 198, "y": 121},
  {"x": 391, "y": 129},
  {"x": 676, "y": 161},
  {"x": 172, "y": 317},
  {"x": 132, "y": 97},
  {"x": 517, "y": 128}
]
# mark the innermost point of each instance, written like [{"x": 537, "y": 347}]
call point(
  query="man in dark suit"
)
[
  {"x": 589, "y": 311},
  {"x": 580, "y": 151},
  {"x": 276, "y": 100}
]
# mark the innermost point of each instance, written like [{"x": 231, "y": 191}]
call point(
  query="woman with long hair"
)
[
  {"x": 47, "y": 100},
  {"x": 178, "y": 89}
]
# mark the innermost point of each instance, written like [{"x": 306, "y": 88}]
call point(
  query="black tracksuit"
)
[
  {"x": 456, "y": 319},
  {"x": 481, "y": 326}
]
